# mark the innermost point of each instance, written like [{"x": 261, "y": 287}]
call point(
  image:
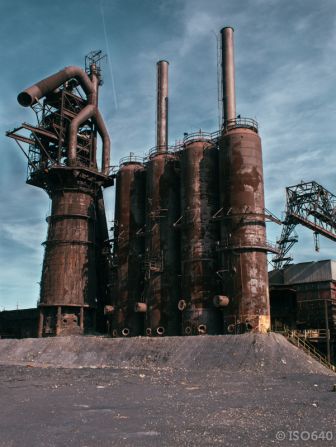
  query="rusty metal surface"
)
[
  {"x": 162, "y": 253},
  {"x": 129, "y": 247},
  {"x": 199, "y": 234},
  {"x": 162, "y": 106},
  {"x": 244, "y": 266},
  {"x": 103, "y": 262},
  {"x": 228, "y": 74},
  {"x": 62, "y": 161},
  {"x": 32, "y": 94},
  {"x": 68, "y": 275},
  {"x": 90, "y": 85}
]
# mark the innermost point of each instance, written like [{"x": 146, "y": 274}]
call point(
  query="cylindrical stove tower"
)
[
  {"x": 243, "y": 230},
  {"x": 199, "y": 235},
  {"x": 129, "y": 246},
  {"x": 162, "y": 258},
  {"x": 68, "y": 275}
]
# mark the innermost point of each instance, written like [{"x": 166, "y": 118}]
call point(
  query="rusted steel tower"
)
[
  {"x": 243, "y": 231},
  {"x": 199, "y": 234},
  {"x": 62, "y": 161},
  {"x": 128, "y": 253},
  {"x": 162, "y": 261}
]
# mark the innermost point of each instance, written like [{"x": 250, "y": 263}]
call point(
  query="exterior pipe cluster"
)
[
  {"x": 74, "y": 293},
  {"x": 90, "y": 86}
]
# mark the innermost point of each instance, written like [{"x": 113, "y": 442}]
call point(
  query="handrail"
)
[
  {"x": 131, "y": 158},
  {"x": 247, "y": 123},
  {"x": 257, "y": 243},
  {"x": 167, "y": 150},
  {"x": 301, "y": 342}
]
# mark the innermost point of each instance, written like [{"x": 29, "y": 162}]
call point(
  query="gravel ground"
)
[{"x": 223, "y": 390}]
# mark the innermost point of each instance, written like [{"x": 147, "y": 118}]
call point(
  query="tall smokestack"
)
[
  {"x": 162, "y": 106},
  {"x": 228, "y": 74}
]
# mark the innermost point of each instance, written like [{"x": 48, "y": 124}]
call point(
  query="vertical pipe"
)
[
  {"x": 59, "y": 319},
  {"x": 81, "y": 319},
  {"x": 40, "y": 324},
  {"x": 228, "y": 75},
  {"x": 162, "y": 107},
  {"x": 326, "y": 316}
]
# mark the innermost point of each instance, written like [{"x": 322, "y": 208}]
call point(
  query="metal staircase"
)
[{"x": 301, "y": 342}]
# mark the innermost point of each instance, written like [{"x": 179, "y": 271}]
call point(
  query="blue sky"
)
[{"x": 285, "y": 78}]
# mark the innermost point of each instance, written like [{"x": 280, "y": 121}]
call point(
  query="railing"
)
[
  {"x": 200, "y": 136},
  {"x": 163, "y": 150},
  {"x": 112, "y": 170},
  {"x": 301, "y": 342},
  {"x": 258, "y": 244},
  {"x": 247, "y": 123},
  {"x": 131, "y": 158},
  {"x": 179, "y": 145}
]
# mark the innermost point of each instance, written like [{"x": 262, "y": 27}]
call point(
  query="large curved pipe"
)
[
  {"x": 32, "y": 94},
  {"x": 106, "y": 142},
  {"x": 84, "y": 115},
  {"x": 90, "y": 111}
]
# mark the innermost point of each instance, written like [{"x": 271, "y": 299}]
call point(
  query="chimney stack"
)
[
  {"x": 228, "y": 74},
  {"x": 162, "y": 107}
]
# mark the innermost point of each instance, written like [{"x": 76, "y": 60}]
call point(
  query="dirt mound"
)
[{"x": 248, "y": 352}]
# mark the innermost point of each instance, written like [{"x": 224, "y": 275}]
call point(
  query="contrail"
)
[{"x": 109, "y": 57}]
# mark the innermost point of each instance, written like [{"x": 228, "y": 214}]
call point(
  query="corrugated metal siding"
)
[
  {"x": 307, "y": 272},
  {"x": 276, "y": 277}
]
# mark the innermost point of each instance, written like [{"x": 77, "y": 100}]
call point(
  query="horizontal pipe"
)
[
  {"x": 160, "y": 330},
  {"x": 125, "y": 332},
  {"x": 221, "y": 301},
  {"x": 108, "y": 310},
  {"x": 140, "y": 307},
  {"x": 202, "y": 329},
  {"x": 32, "y": 94},
  {"x": 181, "y": 305}
]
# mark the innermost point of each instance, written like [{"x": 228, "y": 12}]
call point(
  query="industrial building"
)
[
  {"x": 303, "y": 297},
  {"x": 188, "y": 250}
]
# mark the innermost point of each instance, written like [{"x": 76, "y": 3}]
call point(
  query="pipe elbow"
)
[
  {"x": 31, "y": 95},
  {"x": 78, "y": 73},
  {"x": 84, "y": 115}
]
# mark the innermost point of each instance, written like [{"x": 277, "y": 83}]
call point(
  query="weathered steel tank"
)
[
  {"x": 162, "y": 257},
  {"x": 129, "y": 246},
  {"x": 199, "y": 235},
  {"x": 68, "y": 273},
  {"x": 243, "y": 229}
]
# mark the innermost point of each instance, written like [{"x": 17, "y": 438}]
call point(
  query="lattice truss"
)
[{"x": 312, "y": 206}]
